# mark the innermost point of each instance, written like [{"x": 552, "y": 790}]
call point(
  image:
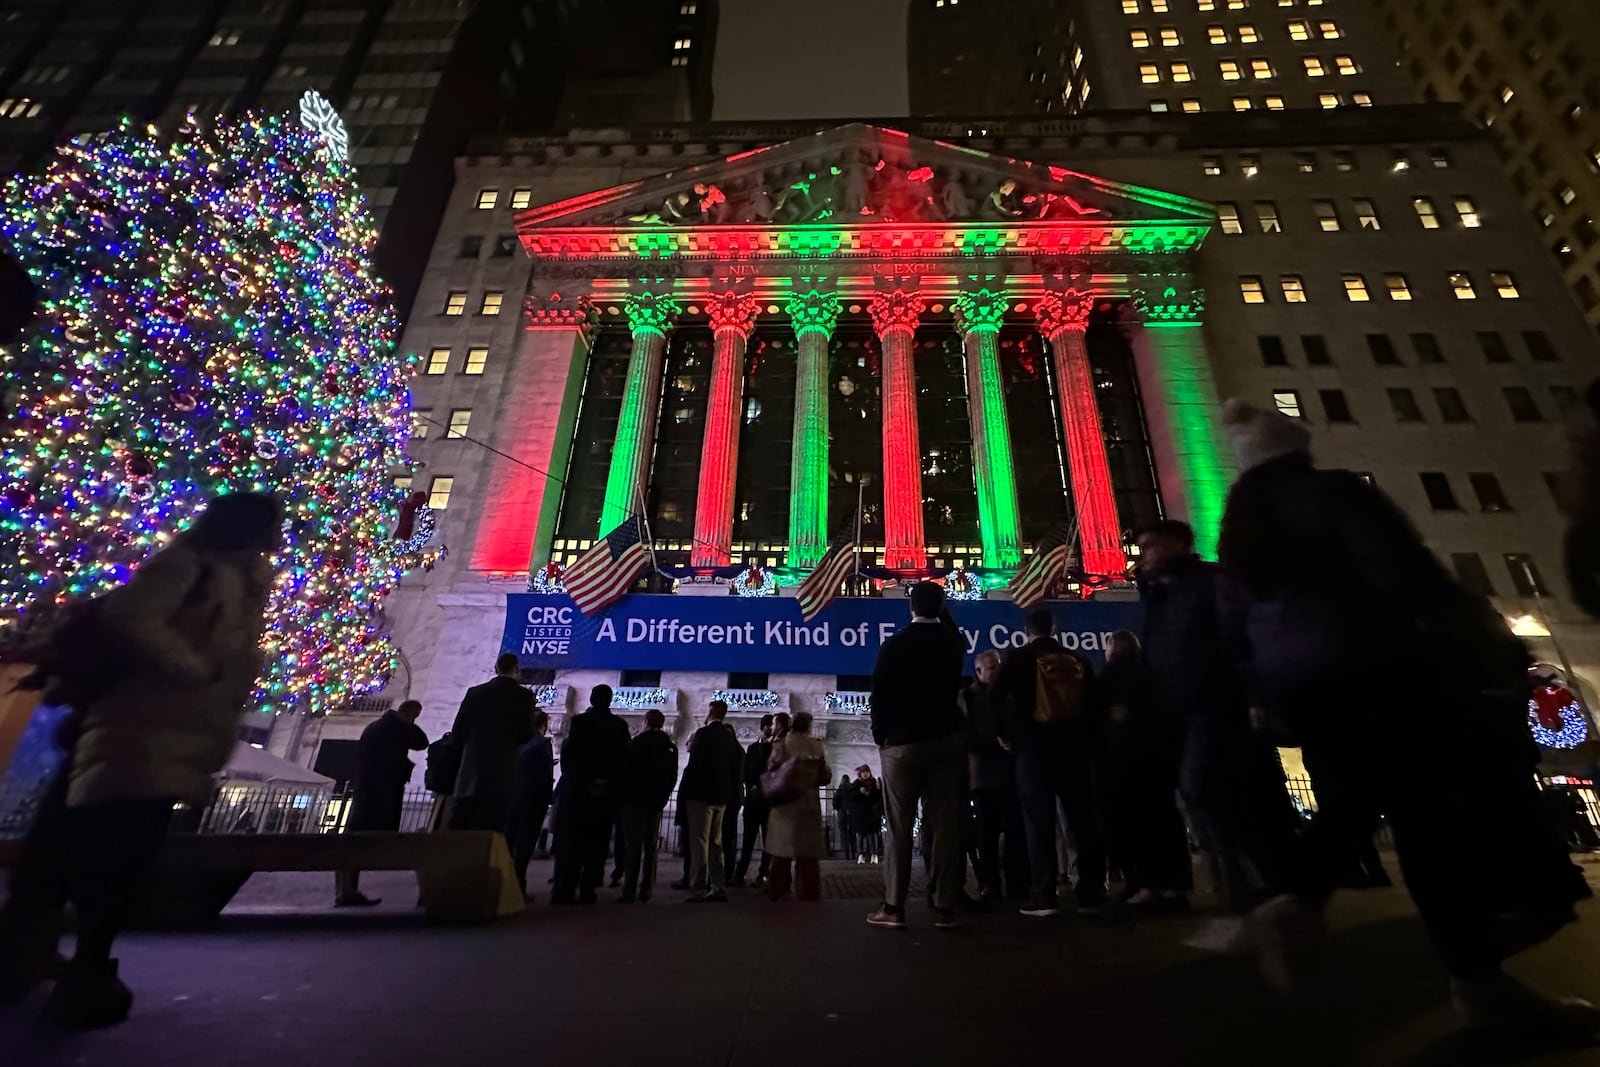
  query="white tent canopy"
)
[{"x": 251, "y": 764}]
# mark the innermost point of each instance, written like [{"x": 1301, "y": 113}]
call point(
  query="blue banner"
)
[{"x": 766, "y": 634}]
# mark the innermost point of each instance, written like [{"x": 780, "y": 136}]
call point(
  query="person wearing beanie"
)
[{"x": 1340, "y": 609}]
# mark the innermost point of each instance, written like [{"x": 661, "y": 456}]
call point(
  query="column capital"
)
[
  {"x": 896, "y": 310},
  {"x": 651, "y": 312},
  {"x": 980, "y": 310},
  {"x": 734, "y": 310},
  {"x": 552, "y": 311},
  {"x": 1060, "y": 311},
  {"x": 1169, "y": 299},
  {"x": 813, "y": 311}
]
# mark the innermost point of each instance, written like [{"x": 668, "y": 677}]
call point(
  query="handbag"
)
[{"x": 781, "y": 784}]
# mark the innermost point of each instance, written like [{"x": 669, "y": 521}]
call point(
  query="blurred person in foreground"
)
[
  {"x": 1314, "y": 550},
  {"x": 383, "y": 767},
  {"x": 155, "y": 713}
]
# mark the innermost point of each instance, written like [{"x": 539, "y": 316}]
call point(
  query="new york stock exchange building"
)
[{"x": 956, "y": 338}]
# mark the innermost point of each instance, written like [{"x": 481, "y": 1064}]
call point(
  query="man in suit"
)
[
  {"x": 648, "y": 775},
  {"x": 755, "y": 809},
  {"x": 592, "y": 761},
  {"x": 383, "y": 767},
  {"x": 495, "y": 721}
]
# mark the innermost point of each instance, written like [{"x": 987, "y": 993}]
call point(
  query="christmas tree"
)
[{"x": 208, "y": 320}]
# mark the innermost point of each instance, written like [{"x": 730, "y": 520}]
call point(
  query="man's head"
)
[
  {"x": 507, "y": 666},
  {"x": 1164, "y": 542},
  {"x": 987, "y": 665},
  {"x": 409, "y": 710},
  {"x": 766, "y": 726},
  {"x": 654, "y": 720},
  {"x": 600, "y": 696},
  {"x": 1039, "y": 623},
  {"x": 927, "y": 600},
  {"x": 717, "y": 711},
  {"x": 863, "y": 772},
  {"x": 240, "y": 522}
]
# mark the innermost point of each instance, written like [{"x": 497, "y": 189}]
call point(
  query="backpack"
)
[
  {"x": 444, "y": 763},
  {"x": 1057, "y": 687}
]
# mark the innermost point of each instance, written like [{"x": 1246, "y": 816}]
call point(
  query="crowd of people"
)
[{"x": 1175, "y": 734}]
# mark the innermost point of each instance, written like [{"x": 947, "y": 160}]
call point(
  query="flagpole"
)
[
  {"x": 855, "y": 553},
  {"x": 649, "y": 538}
]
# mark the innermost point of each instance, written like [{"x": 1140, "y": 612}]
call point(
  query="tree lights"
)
[{"x": 208, "y": 320}]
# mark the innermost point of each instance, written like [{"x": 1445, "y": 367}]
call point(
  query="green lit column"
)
[
  {"x": 978, "y": 316},
  {"x": 1181, "y": 405},
  {"x": 814, "y": 315},
  {"x": 650, "y": 315}
]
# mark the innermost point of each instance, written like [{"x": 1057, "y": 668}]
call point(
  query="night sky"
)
[{"x": 817, "y": 59}]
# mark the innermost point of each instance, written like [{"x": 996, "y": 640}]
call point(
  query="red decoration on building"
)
[
  {"x": 555, "y": 312},
  {"x": 894, "y": 315}
]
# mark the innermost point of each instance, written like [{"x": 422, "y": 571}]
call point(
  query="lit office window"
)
[
  {"x": 1467, "y": 211},
  {"x": 1505, "y": 286},
  {"x": 1329, "y": 30},
  {"x": 1261, "y": 70},
  {"x": 1159, "y": 106},
  {"x": 1228, "y": 216},
  {"x": 439, "y": 492},
  {"x": 1314, "y": 67},
  {"x": 1130, "y": 7},
  {"x": 1251, "y": 290},
  {"x": 1506, "y": 94},
  {"x": 1230, "y": 70},
  {"x": 1461, "y": 286},
  {"x": 476, "y": 359},
  {"x": 438, "y": 361},
  {"x": 521, "y": 198},
  {"x": 1182, "y": 73},
  {"x": 492, "y": 299},
  {"x": 1327, "y": 215},
  {"x": 1361, "y": 99},
  {"x": 460, "y": 420},
  {"x": 402, "y": 482},
  {"x": 1355, "y": 288},
  {"x": 1287, "y": 401},
  {"x": 419, "y": 423},
  {"x": 1139, "y": 38},
  {"x": 1426, "y": 214},
  {"x": 1170, "y": 38},
  {"x": 1191, "y": 107},
  {"x": 1274, "y": 103},
  {"x": 487, "y": 199},
  {"x": 1366, "y": 214},
  {"x": 1217, "y": 34},
  {"x": 1211, "y": 166},
  {"x": 455, "y": 302},
  {"x": 1241, "y": 103},
  {"x": 1328, "y": 101},
  {"x": 1299, "y": 30},
  {"x": 1248, "y": 34},
  {"x": 1267, "y": 215},
  {"x": 1149, "y": 73},
  {"x": 1397, "y": 285},
  {"x": 1294, "y": 288},
  {"x": 1347, "y": 65},
  {"x": 1249, "y": 166}
]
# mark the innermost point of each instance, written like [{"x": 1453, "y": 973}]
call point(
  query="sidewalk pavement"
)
[{"x": 283, "y": 980}]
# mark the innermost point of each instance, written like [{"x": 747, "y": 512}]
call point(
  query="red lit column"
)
[
  {"x": 894, "y": 315},
  {"x": 1063, "y": 318},
  {"x": 733, "y": 316}
]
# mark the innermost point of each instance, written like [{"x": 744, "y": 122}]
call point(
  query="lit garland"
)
[
  {"x": 747, "y": 699},
  {"x": 757, "y": 581},
  {"x": 547, "y": 579},
  {"x": 845, "y": 703},
  {"x": 208, "y": 320},
  {"x": 636, "y": 699},
  {"x": 962, "y": 584},
  {"x": 1556, "y": 718}
]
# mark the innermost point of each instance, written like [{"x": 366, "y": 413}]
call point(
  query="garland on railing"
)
[{"x": 747, "y": 699}]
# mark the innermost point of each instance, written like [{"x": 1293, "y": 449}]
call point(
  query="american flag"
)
[
  {"x": 837, "y": 564},
  {"x": 1040, "y": 572},
  {"x": 599, "y": 577}
]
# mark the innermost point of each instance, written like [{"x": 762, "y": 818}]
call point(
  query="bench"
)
[{"x": 462, "y": 876}]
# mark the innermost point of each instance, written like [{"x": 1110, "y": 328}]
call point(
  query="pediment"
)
[{"x": 864, "y": 180}]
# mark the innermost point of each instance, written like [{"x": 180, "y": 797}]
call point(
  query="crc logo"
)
[{"x": 548, "y": 632}]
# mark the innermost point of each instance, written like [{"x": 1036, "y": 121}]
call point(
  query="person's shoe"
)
[
  {"x": 1143, "y": 897},
  {"x": 888, "y": 918},
  {"x": 944, "y": 919},
  {"x": 357, "y": 900},
  {"x": 682, "y": 883},
  {"x": 88, "y": 997},
  {"x": 1042, "y": 909},
  {"x": 875, "y": 861},
  {"x": 861, "y": 859}
]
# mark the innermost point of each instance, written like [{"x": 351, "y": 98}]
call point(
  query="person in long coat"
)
[
  {"x": 495, "y": 721},
  {"x": 794, "y": 829},
  {"x": 155, "y": 716},
  {"x": 383, "y": 767}
]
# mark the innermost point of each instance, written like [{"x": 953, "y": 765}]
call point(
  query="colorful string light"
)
[{"x": 208, "y": 320}]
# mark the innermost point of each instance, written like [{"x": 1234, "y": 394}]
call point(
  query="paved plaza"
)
[{"x": 284, "y": 980}]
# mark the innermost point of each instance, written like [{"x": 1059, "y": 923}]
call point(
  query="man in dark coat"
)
[
  {"x": 592, "y": 761},
  {"x": 711, "y": 782},
  {"x": 383, "y": 767},
  {"x": 755, "y": 809},
  {"x": 495, "y": 721},
  {"x": 531, "y": 797},
  {"x": 648, "y": 775}
]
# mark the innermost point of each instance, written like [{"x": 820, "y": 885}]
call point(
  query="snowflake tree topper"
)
[{"x": 318, "y": 115}]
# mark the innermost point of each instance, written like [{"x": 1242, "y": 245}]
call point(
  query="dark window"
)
[
  {"x": 855, "y": 431},
  {"x": 1520, "y": 401},
  {"x": 1451, "y": 407},
  {"x": 1316, "y": 349},
  {"x": 1486, "y": 487},
  {"x": 1494, "y": 347},
  {"x": 853, "y": 683},
  {"x": 1404, "y": 404},
  {"x": 1426, "y": 346},
  {"x": 470, "y": 247},
  {"x": 1539, "y": 346},
  {"x": 537, "y": 676},
  {"x": 645, "y": 679},
  {"x": 1335, "y": 406},
  {"x": 1525, "y": 575},
  {"x": 1272, "y": 353},
  {"x": 748, "y": 680},
  {"x": 1440, "y": 496},
  {"x": 1566, "y": 398},
  {"x": 1471, "y": 573},
  {"x": 1382, "y": 349},
  {"x": 505, "y": 245}
]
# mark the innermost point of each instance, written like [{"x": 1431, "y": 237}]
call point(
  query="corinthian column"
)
[
  {"x": 894, "y": 315},
  {"x": 814, "y": 315},
  {"x": 978, "y": 316},
  {"x": 1063, "y": 319},
  {"x": 650, "y": 315},
  {"x": 733, "y": 316}
]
